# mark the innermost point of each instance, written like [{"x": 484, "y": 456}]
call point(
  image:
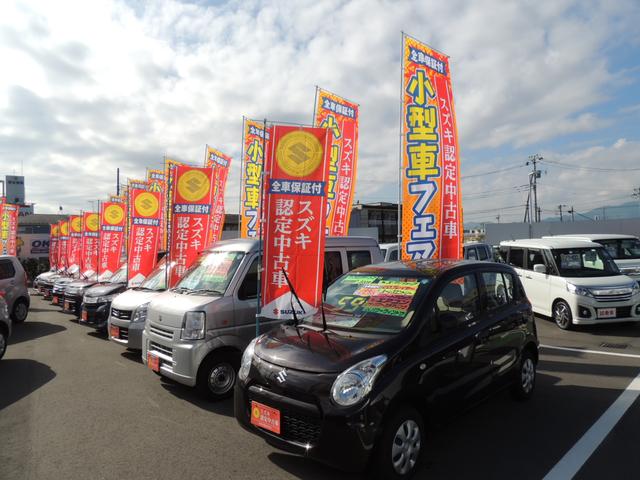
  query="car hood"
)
[
  {"x": 169, "y": 308},
  {"x": 131, "y": 299},
  {"x": 63, "y": 281},
  {"x": 300, "y": 348},
  {"x": 103, "y": 289},
  {"x": 615, "y": 281},
  {"x": 81, "y": 284}
]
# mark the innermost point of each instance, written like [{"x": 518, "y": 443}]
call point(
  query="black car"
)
[
  {"x": 97, "y": 300},
  {"x": 73, "y": 295},
  {"x": 400, "y": 346}
]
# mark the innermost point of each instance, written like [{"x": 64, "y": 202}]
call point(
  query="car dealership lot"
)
[{"x": 73, "y": 405}]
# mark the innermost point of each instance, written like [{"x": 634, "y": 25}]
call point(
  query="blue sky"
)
[{"x": 93, "y": 86}]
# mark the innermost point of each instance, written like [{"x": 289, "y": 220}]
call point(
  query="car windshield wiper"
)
[
  {"x": 180, "y": 289},
  {"x": 143, "y": 289},
  {"x": 205, "y": 290}
]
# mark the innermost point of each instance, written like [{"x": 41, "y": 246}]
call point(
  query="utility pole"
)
[
  {"x": 560, "y": 209},
  {"x": 498, "y": 218},
  {"x": 533, "y": 177},
  {"x": 571, "y": 211},
  {"x": 636, "y": 195}
]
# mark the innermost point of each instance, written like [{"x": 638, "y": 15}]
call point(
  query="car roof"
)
[
  {"x": 554, "y": 242},
  {"x": 248, "y": 245},
  {"x": 421, "y": 268},
  {"x": 594, "y": 237}
]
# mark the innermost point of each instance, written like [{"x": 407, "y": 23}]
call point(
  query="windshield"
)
[
  {"x": 119, "y": 276},
  {"x": 585, "y": 262},
  {"x": 624, "y": 249},
  {"x": 370, "y": 303},
  {"x": 211, "y": 272},
  {"x": 156, "y": 279}
]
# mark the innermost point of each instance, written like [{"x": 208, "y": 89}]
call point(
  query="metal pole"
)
[
  {"x": 242, "y": 181},
  {"x": 99, "y": 241},
  {"x": 167, "y": 204},
  {"x": 399, "y": 232},
  {"x": 315, "y": 106},
  {"x": 118, "y": 182},
  {"x": 260, "y": 240}
]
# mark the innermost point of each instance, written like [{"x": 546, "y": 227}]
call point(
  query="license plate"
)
[
  {"x": 153, "y": 362},
  {"x": 606, "y": 313},
  {"x": 84, "y": 315},
  {"x": 265, "y": 417},
  {"x": 115, "y": 331},
  {"x": 54, "y": 300}
]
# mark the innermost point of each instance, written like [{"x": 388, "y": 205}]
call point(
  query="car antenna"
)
[{"x": 293, "y": 292}]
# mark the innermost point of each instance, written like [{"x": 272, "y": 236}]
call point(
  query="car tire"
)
[
  {"x": 525, "y": 381},
  {"x": 399, "y": 449},
  {"x": 20, "y": 311},
  {"x": 562, "y": 315},
  {"x": 217, "y": 375},
  {"x": 3, "y": 343}
]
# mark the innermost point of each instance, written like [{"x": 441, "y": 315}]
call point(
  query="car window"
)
[
  {"x": 249, "y": 287},
  {"x": 471, "y": 253},
  {"x": 516, "y": 257},
  {"x": 457, "y": 303},
  {"x": 629, "y": 248},
  {"x": 332, "y": 267},
  {"x": 359, "y": 258},
  {"x": 482, "y": 253},
  {"x": 7, "y": 269},
  {"x": 502, "y": 254},
  {"x": 496, "y": 291},
  {"x": 510, "y": 285},
  {"x": 393, "y": 255},
  {"x": 534, "y": 256}
]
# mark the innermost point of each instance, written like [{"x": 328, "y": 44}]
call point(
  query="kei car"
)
[
  {"x": 395, "y": 347},
  {"x": 96, "y": 302}
]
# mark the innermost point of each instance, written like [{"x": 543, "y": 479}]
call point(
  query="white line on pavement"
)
[
  {"x": 597, "y": 352},
  {"x": 575, "y": 458}
]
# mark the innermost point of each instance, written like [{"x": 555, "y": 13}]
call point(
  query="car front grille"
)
[
  {"x": 161, "y": 332},
  {"x": 615, "y": 294},
  {"x": 156, "y": 347},
  {"x": 121, "y": 314},
  {"x": 123, "y": 333}
]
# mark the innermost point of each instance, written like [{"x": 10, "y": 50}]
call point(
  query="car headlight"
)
[
  {"x": 636, "y": 288},
  {"x": 140, "y": 315},
  {"x": 356, "y": 382},
  {"x": 585, "y": 292},
  {"x": 193, "y": 326},
  {"x": 247, "y": 358},
  {"x": 88, "y": 300}
]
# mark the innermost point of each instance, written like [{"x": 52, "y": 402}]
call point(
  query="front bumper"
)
[
  {"x": 343, "y": 442},
  {"x": 46, "y": 292},
  {"x": 129, "y": 334},
  {"x": 585, "y": 311},
  {"x": 57, "y": 297},
  {"x": 72, "y": 304},
  {"x": 95, "y": 315}
]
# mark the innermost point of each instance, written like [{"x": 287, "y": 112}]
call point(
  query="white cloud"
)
[{"x": 99, "y": 85}]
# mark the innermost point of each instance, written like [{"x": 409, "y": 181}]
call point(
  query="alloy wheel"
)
[
  {"x": 20, "y": 311},
  {"x": 527, "y": 374},
  {"x": 562, "y": 315},
  {"x": 406, "y": 447},
  {"x": 3, "y": 344}
]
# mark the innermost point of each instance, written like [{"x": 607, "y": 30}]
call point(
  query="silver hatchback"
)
[{"x": 13, "y": 287}]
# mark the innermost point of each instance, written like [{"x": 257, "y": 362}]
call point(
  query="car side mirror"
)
[{"x": 539, "y": 268}]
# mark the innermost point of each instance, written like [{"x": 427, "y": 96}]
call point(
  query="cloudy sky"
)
[{"x": 87, "y": 87}]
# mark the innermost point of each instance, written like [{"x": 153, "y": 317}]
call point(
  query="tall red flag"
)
[
  {"x": 295, "y": 207},
  {"x": 62, "y": 244},
  {"x": 90, "y": 234},
  {"x": 143, "y": 237},
  {"x": 74, "y": 244},
  {"x": 221, "y": 164},
  {"x": 190, "y": 216},
  {"x": 53, "y": 246},
  {"x": 113, "y": 218}
]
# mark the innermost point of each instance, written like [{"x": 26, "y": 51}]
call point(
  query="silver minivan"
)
[
  {"x": 129, "y": 309},
  {"x": 196, "y": 332},
  {"x": 13, "y": 282}
]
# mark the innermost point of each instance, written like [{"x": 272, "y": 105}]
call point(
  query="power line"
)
[
  {"x": 582, "y": 167},
  {"x": 492, "y": 172}
]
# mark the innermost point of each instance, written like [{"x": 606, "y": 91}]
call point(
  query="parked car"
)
[
  {"x": 398, "y": 346},
  {"x": 45, "y": 284},
  {"x": 38, "y": 281},
  {"x": 58, "y": 290},
  {"x": 71, "y": 301},
  {"x": 478, "y": 251},
  {"x": 129, "y": 309},
  {"x": 624, "y": 249},
  {"x": 389, "y": 251},
  {"x": 96, "y": 302},
  {"x": 574, "y": 281},
  {"x": 5, "y": 326},
  {"x": 14, "y": 284},
  {"x": 195, "y": 333}
]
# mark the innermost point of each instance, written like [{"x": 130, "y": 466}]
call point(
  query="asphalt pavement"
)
[{"x": 75, "y": 406}]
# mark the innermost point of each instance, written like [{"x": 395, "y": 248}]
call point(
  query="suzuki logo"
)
[{"x": 281, "y": 376}]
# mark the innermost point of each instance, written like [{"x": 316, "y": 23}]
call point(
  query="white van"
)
[
  {"x": 196, "y": 332},
  {"x": 574, "y": 281},
  {"x": 624, "y": 249},
  {"x": 471, "y": 251}
]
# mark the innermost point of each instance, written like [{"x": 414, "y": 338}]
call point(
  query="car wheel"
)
[
  {"x": 525, "y": 381},
  {"x": 3, "y": 343},
  {"x": 217, "y": 375},
  {"x": 20, "y": 311},
  {"x": 562, "y": 315},
  {"x": 399, "y": 449}
]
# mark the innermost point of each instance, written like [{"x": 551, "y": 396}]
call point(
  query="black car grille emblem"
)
[{"x": 281, "y": 376}]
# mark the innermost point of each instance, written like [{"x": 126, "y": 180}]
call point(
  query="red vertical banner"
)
[
  {"x": 156, "y": 182},
  {"x": 113, "y": 217},
  {"x": 432, "y": 208},
  {"x": 221, "y": 164},
  {"x": 62, "y": 244},
  {"x": 75, "y": 242},
  {"x": 53, "y": 246},
  {"x": 90, "y": 224},
  {"x": 143, "y": 237},
  {"x": 192, "y": 197},
  {"x": 341, "y": 117},
  {"x": 255, "y": 141},
  {"x": 169, "y": 175},
  {"x": 295, "y": 217},
  {"x": 9, "y": 228}
]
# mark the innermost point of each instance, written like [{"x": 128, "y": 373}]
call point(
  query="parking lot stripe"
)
[
  {"x": 575, "y": 458},
  {"x": 596, "y": 352}
]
